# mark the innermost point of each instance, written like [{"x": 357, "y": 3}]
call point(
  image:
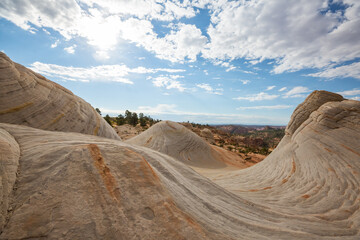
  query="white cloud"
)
[
  {"x": 282, "y": 89},
  {"x": 351, "y": 70},
  {"x": 107, "y": 73},
  {"x": 304, "y": 34},
  {"x": 104, "y": 23},
  {"x": 55, "y": 44},
  {"x": 152, "y": 9},
  {"x": 209, "y": 89},
  {"x": 270, "y": 88},
  {"x": 355, "y": 98},
  {"x": 168, "y": 82},
  {"x": 181, "y": 45},
  {"x": 70, "y": 49},
  {"x": 258, "y": 97},
  {"x": 296, "y": 92},
  {"x": 353, "y": 92},
  {"x": 245, "y": 81},
  {"x": 265, "y": 107},
  {"x": 231, "y": 68}
]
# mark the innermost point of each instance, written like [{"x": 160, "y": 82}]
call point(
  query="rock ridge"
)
[
  {"x": 302, "y": 112},
  {"x": 27, "y": 98}
]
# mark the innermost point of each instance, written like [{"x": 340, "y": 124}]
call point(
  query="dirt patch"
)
[{"x": 104, "y": 172}]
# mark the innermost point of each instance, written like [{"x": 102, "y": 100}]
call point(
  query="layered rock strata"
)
[{"x": 27, "y": 98}]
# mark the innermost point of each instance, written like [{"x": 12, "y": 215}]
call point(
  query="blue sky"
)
[{"x": 238, "y": 62}]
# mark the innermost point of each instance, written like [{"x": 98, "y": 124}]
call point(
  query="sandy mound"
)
[
  {"x": 179, "y": 142},
  {"x": 27, "y": 98}
]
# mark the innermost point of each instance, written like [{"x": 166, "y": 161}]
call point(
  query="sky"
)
[{"x": 203, "y": 61}]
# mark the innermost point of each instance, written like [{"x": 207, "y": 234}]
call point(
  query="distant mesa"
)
[{"x": 27, "y": 98}]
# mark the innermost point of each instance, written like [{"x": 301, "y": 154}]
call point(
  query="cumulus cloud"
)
[
  {"x": 297, "y": 92},
  {"x": 265, "y": 107},
  {"x": 282, "y": 89},
  {"x": 209, "y": 89},
  {"x": 258, "y": 97},
  {"x": 104, "y": 23},
  {"x": 107, "y": 73},
  {"x": 168, "y": 82},
  {"x": 351, "y": 70},
  {"x": 304, "y": 34},
  {"x": 151, "y": 9}
]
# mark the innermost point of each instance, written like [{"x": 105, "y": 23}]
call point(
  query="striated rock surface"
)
[
  {"x": 312, "y": 103},
  {"x": 179, "y": 142},
  {"x": 27, "y": 98},
  {"x": 9, "y": 161},
  {"x": 314, "y": 173},
  {"x": 66, "y": 185},
  {"x": 75, "y": 186}
]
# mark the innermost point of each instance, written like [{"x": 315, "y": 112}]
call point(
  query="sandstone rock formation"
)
[
  {"x": 314, "y": 173},
  {"x": 72, "y": 185},
  {"x": 179, "y": 142},
  {"x": 27, "y": 98},
  {"x": 208, "y": 135},
  {"x": 75, "y": 186},
  {"x": 312, "y": 103},
  {"x": 66, "y": 185}
]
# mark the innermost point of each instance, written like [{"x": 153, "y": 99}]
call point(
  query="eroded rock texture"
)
[
  {"x": 27, "y": 98},
  {"x": 79, "y": 186},
  {"x": 179, "y": 142},
  {"x": 65, "y": 185}
]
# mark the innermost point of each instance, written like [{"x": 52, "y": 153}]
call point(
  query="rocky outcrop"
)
[
  {"x": 27, "y": 98},
  {"x": 9, "y": 161},
  {"x": 311, "y": 103},
  {"x": 207, "y": 135},
  {"x": 314, "y": 173}
]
